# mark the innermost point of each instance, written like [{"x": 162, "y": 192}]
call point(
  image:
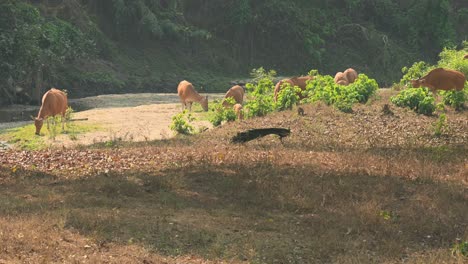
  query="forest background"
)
[{"x": 93, "y": 47}]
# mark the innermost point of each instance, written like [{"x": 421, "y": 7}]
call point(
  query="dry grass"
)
[{"x": 344, "y": 188}]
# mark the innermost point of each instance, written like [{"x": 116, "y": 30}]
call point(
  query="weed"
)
[
  {"x": 386, "y": 215},
  {"x": 181, "y": 123},
  {"x": 460, "y": 249},
  {"x": 440, "y": 126},
  {"x": 53, "y": 123}
]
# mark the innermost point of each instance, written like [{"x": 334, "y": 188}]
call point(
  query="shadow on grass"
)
[{"x": 261, "y": 213}]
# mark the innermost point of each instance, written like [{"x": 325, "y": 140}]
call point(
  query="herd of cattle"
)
[{"x": 54, "y": 101}]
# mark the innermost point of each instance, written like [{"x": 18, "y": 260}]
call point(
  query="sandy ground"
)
[{"x": 127, "y": 117}]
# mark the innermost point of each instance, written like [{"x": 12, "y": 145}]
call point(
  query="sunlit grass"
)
[{"x": 24, "y": 137}]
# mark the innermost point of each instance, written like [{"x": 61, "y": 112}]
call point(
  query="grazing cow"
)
[
  {"x": 465, "y": 57},
  {"x": 301, "y": 82},
  {"x": 351, "y": 75},
  {"x": 340, "y": 78},
  {"x": 238, "y": 111},
  {"x": 441, "y": 79},
  {"x": 236, "y": 92},
  {"x": 188, "y": 95},
  {"x": 54, "y": 102}
]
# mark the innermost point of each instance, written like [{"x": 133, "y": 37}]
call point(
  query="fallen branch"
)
[
  {"x": 251, "y": 134},
  {"x": 79, "y": 119}
]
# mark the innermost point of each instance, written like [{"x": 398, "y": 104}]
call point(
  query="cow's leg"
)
[
  {"x": 190, "y": 106},
  {"x": 183, "y": 106}
]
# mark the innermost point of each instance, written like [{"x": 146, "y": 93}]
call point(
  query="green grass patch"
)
[{"x": 24, "y": 137}]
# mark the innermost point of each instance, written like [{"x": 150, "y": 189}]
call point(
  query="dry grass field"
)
[{"x": 362, "y": 187}]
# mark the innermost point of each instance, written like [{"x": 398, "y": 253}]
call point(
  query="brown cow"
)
[
  {"x": 465, "y": 57},
  {"x": 236, "y": 92},
  {"x": 238, "y": 111},
  {"x": 340, "y": 78},
  {"x": 301, "y": 82},
  {"x": 441, "y": 79},
  {"x": 351, "y": 75},
  {"x": 188, "y": 95},
  {"x": 54, "y": 102}
]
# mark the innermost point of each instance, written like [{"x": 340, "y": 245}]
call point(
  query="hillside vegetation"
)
[{"x": 94, "y": 47}]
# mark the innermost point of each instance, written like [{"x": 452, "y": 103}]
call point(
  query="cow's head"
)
[
  {"x": 416, "y": 83},
  {"x": 204, "y": 103},
  {"x": 38, "y": 122}
]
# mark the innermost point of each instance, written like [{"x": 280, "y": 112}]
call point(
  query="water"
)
[{"x": 14, "y": 113}]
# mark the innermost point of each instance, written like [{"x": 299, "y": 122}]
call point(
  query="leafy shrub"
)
[
  {"x": 364, "y": 87},
  {"x": 323, "y": 88},
  {"x": 416, "y": 71},
  {"x": 260, "y": 74},
  {"x": 222, "y": 113},
  {"x": 456, "y": 99},
  {"x": 260, "y": 106},
  {"x": 287, "y": 97},
  {"x": 417, "y": 99},
  {"x": 180, "y": 123},
  {"x": 262, "y": 92},
  {"x": 451, "y": 58}
]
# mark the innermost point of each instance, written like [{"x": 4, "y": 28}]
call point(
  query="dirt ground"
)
[{"x": 128, "y": 117}]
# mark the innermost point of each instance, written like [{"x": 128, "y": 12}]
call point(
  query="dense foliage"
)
[
  {"x": 261, "y": 92},
  {"x": 323, "y": 88},
  {"x": 223, "y": 113},
  {"x": 149, "y": 45},
  {"x": 417, "y": 99},
  {"x": 287, "y": 97},
  {"x": 32, "y": 49},
  {"x": 450, "y": 58}
]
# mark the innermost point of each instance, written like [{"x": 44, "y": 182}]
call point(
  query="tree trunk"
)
[{"x": 37, "y": 85}]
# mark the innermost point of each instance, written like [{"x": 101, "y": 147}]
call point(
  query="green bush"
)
[
  {"x": 287, "y": 97},
  {"x": 222, "y": 113},
  {"x": 456, "y": 99},
  {"x": 181, "y": 125},
  {"x": 364, "y": 87},
  {"x": 416, "y": 71},
  {"x": 262, "y": 92},
  {"x": 451, "y": 58},
  {"x": 323, "y": 88},
  {"x": 418, "y": 99},
  {"x": 260, "y": 106}
]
